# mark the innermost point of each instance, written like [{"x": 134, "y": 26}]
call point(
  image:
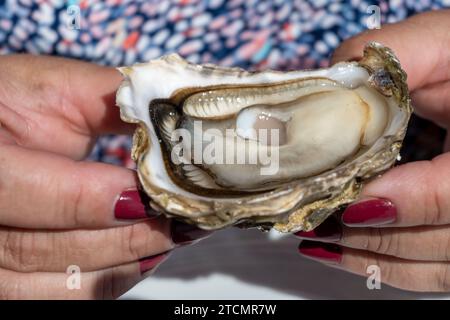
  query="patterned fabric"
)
[{"x": 254, "y": 34}]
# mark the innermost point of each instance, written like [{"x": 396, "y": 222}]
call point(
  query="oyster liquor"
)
[{"x": 227, "y": 309}]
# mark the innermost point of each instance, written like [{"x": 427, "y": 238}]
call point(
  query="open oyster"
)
[{"x": 222, "y": 146}]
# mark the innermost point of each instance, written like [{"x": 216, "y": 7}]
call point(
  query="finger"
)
[
  {"x": 433, "y": 102},
  {"x": 108, "y": 283},
  {"x": 432, "y": 67},
  {"x": 412, "y": 194},
  {"x": 70, "y": 84},
  {"x": 447, "y": 142},
  {"x": 46, "y": 191},
  {"x": 399, "y": 273},
  {"x": 53, "y": 251},
  {"x": 417, "y": 243},
  {"x": 414, "y": 243},
  {"x": 432, "y": 30}
]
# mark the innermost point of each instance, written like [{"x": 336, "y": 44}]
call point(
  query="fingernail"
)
[
  {"x": 133, "y": 204},
  {"x": 151, "y": 262},
  {"x": 370, "y": 213},
  {"x": 323, "y": 252},
  {"x": 329, "y": 230},
  {"x": 184, "y": 234}
]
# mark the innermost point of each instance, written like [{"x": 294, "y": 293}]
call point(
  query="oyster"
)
[{"x": 223, "y": 146}]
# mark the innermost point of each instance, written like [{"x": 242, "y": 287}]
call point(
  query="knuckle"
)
[
  {"x": 73, "y": 210},
  {"x": 434, "y": 195},
  {"x": 79, "y": 208},
  {"x": 118, "y": 281},
  {"x": 7, "y": 183},
  {"x": 131, "y": 241},
  {"x": 387, "y": 270},
  {"x": 442, "y": 278},
  {"x": 144, "y": 238},
  {"x": 387, "y": 274},
  {"x": 383, "y": 241},
  {"x": 373, "y": 260},
  {"x": 15, "y": 253},
  {"x": 3, "y": 179},
  {"x": 68, "y": 200},
  {"x": 9, "y": 288},
  {"x": 432, "y": 214},
  {"x": 447, "y": 248},
  {"x": 374, "y": 239},
  {"x": 107, "y": 285},
  {"x": 25, "y": 251},
  {"x": 113, "y": 284}
]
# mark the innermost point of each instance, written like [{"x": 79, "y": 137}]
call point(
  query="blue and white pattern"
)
[{"x": 253, "y": 34}]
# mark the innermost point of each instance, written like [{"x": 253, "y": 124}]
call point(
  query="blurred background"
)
[{"x": 253, "y": 34}]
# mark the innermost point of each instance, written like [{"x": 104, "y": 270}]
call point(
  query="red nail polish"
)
[
  {"x": 323, "y": 252},
  {"x": 183, "y": 233},
  {"x": 370, "y": 213},
  {"x": 133, "y": 204},
  {"x": 148, "y": 263},
  {"x": 329, "y": 230}
]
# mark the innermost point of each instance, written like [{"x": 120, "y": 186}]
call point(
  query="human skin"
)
[
  {"x": 57, "y": 210},
  {"x": 402, "y": 221}
]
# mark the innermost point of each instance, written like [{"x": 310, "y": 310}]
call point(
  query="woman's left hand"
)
[{"x": 402, "y": 222}]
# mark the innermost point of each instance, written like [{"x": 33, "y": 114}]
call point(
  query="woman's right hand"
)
[
  {"x": 57, "y": 211},
  {"x": 401, "y": 222}
]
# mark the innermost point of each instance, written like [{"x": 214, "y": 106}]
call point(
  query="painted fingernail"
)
[
  {"x": 184, "y": 234},
  {"x": 370, "y": 213},
  {"x": 133, "y": 204},
  {"x": 329, "y": 230},
  {"x": 151, "y": 262},
  {"x": 323, "y": 252}
]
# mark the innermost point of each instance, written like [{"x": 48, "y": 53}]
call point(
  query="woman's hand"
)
[
  {"x": 402, "y": 222},
  {"x": 57, "y": 211}
]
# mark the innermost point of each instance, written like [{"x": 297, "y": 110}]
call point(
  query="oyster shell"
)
[{"x": 330, "y": 131}]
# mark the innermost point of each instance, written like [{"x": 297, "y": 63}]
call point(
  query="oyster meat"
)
[{"x": 223, "y": 146}]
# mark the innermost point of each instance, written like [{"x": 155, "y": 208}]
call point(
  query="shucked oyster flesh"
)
[{"x": 222, "y": 146}]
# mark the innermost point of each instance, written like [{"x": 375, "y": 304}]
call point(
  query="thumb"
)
[
  {"x": 432, "y": 30},
  {"x": 417, "y": 193}
]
